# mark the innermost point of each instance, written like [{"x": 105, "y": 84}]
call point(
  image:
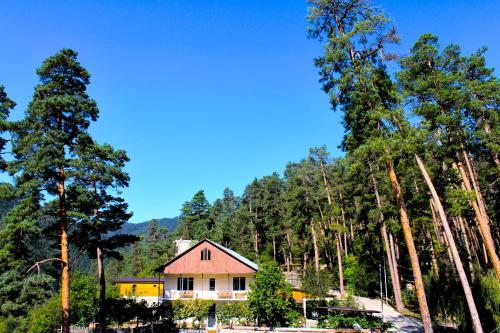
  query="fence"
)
[{"x": 163, "y": 329}]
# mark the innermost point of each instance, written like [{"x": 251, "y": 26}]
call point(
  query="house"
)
[
  {"x": 201, "y": 270},
  {"x": 207, "y": 270},
  {"x": 149, "y": 290}
]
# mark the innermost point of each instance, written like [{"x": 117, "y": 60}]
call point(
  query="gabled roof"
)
[
  {"x": 253, "y": 266},
  {"x": 236, "y": 256}
]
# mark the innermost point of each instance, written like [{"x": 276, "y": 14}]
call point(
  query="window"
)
[
  {"x": 239, "y": 283},
  {"x": 134, "y": 289},
  {"x": 211, "y": 284},
  {"x": 184, "y": 283},
  {"x": 205, "y": 254}
]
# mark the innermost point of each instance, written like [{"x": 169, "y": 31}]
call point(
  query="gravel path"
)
[{"x": 402, "y": 323}]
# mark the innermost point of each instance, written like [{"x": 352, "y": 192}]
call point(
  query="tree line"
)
[
  {"x": 416, "y": 191},
  {"x": 418, "y": 186}
]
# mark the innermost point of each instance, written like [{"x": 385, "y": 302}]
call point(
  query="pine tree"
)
[
  {"x": 93, "y": 197},
  {"x": 195, "y": 222},
  {"x": 6, "y": 104},
  {"x": 46, "y": 140},
  {"x": 353, "y": 74}
]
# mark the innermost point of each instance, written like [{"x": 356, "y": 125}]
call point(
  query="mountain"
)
[{"x": 142, "y": 227}]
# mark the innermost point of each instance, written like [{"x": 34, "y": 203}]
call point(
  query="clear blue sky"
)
[{"x": 207, "y": 94}]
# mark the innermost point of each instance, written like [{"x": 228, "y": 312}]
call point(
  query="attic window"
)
[{"x": 205, "y": 254}]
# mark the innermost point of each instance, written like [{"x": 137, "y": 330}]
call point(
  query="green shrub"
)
[
  {"x": 195, "y": 308},
  {"x": 347, "y": 321},
  {"x": 46, "y": 318},
  {"x": 240, "y": 311},
  {"x": 83, "y": 293}
]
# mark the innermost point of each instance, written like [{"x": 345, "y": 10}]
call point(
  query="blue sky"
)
[{"x": 207, "y": 94}]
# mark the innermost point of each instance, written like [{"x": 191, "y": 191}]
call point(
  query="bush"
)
[
  {"x": 120, "y": 311},
  {"x": 83, "y": 295},
  {"x": 12, "y": 325},
  {"x": 348, "y": 321},
  {"x": 196, "y": 308},
  {"x": 227, "y": 312},
  {"x": 46, "y": 318}
]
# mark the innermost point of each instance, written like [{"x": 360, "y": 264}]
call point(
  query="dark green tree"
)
[
  {"x": 270, "y": 297},
  {"x": 94, "y": 196},
  {"x": 6, "y": 104},
  {"x": 195, "y": 222},
  {"x": 45, "y": 144}
]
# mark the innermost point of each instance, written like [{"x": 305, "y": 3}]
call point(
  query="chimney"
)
[{"x": 181, "y": 245}]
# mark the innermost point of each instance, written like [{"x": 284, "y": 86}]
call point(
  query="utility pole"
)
[{"x": 381, "y": 294}]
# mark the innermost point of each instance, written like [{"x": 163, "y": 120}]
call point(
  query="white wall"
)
[{"x": 201, "y": 284}]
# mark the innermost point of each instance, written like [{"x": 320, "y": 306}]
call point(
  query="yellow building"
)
[{"x": 147, "y": 289}]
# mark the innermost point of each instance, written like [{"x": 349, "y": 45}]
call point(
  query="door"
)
[{"x": 211, "y": 322}]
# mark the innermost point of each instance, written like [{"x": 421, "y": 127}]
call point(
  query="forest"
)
[{"x": 416, "y": 192}]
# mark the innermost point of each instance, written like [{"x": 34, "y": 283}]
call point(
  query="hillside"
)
[{"x": 142, "y": 227}]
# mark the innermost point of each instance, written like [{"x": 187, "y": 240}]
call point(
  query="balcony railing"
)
[{"x": 204, "y": 294}]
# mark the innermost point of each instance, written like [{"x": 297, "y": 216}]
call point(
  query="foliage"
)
[
  {"x": 194, "y": 308},
  {"x": 46, "y": 318},
  {"x": 13, "y": 325},
  {"x": 348, "y": 321},
  {"x": 270, "y": 296},
  {"x": 317, "y": 284},
  {"x": 19, "y": 294},
  {"x": 361, "y": 279},
  {"x": 83, "y": 294},
  {"x": 239, "y": 311}
]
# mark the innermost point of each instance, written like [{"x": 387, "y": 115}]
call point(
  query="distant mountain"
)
[{"x": 142, "y": 227}]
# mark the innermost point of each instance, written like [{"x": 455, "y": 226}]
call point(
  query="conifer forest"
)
[{"x": 415, "y": 194}]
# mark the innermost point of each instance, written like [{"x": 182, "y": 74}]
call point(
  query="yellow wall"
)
[{"x": 142, "y": 289}]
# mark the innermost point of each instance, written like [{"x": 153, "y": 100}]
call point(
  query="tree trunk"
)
[
  {"x": 328, "y": 245},
  {"x": 467, "y": 245},
  {"x": 456, "y": 257},
  {"x": 435, "y": 265},
  {"x": 495, "y": 157},
  {"x": 339, "y": 251},
  {"x": 304, "y": 267},
  {"x": 256, "y": 242},
  {"x": 341, "y": 270},
  {"x": 475, "y": 184},
  {"x": 274, "y": 248},
  {"x": 412, "y": 251},
  {"x": 316, "y": 249},
  {"x": 482, "y": 222},
  {"x": 63, "y": 224},
  {"x": 436, "y": 224},
  {"x": 289, "y": 255},
  {"x": 102, "y": 292},
  {"x": 343, "y": 224},
  {"x": 396, "y": 288}
]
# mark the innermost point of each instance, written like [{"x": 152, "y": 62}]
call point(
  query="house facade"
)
[
  {"x": 201, "y": 270},
  {"x": 207, "y": 270}
]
